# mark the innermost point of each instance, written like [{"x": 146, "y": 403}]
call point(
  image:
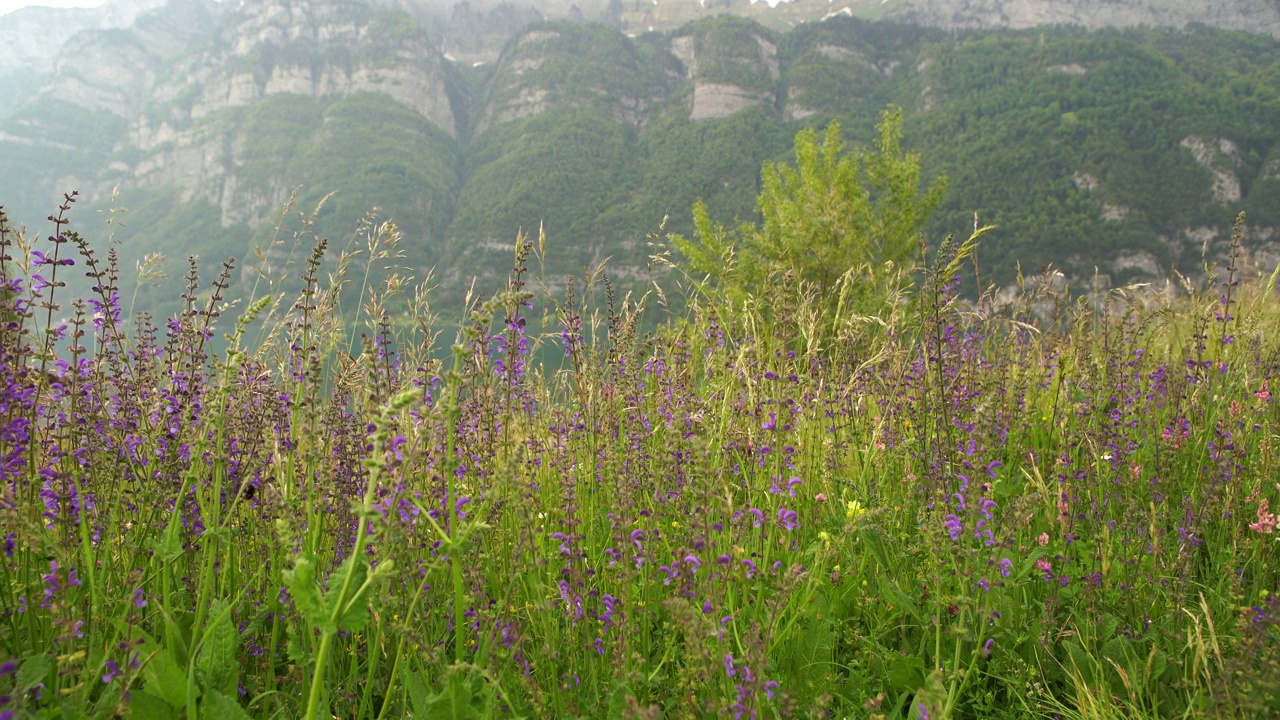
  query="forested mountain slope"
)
[{"x": 1127, "y": 151}]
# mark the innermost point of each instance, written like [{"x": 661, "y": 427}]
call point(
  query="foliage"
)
[
  {"x": 566, "y": 170},
  {"x": 847, "y": 224},
  {"x": 1072, "y": 144},
  {"x": 1040, "y": 509}
]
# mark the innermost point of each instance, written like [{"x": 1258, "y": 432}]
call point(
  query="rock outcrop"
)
[{"x": 1259, "y": 16}]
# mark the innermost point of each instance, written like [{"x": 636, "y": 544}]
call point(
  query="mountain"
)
[{"x": 1122, "y": 150}]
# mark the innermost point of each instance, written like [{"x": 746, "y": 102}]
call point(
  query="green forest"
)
[{"x": 1080, "y": 148}]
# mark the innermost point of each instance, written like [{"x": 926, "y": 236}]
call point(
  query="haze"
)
[{"x": 8, "y": 6}]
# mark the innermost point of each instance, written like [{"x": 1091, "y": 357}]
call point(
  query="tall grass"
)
[{"x": 1059, "y": 507}]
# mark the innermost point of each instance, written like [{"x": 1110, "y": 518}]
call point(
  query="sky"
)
[{"x": 8, "y": 6}]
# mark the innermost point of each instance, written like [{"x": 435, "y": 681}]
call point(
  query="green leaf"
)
[
  {"x": 354, "y": 613},
  {"x": 33, "y": 671},
  {"x": 905, "y": 673},
  {"x": 419, "y": 697},
  {"x": 218, "y": 653},
  {"x": 144, "y": 706},
  {"x": 218, "y": 706},
  {"x": 1157, "y": 662},
  {"x": 875, "y": 542},
  {"x": 1079, "y": 663},
  {"x": 457, "y": 701},
  {"x": 458, "y": 688},
  {"x": 618, "y": 702},
  {"x": 165, "y": 679},
  {"x": 301, "y": 581},
  {"x": 1029, "y": 563},
  {"x": 900, "y": 599}
]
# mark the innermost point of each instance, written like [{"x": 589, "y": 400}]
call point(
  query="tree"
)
[{"x": 844, "y": 224}]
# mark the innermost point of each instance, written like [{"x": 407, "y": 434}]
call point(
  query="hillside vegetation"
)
[{"x": 1123, "y": 152}]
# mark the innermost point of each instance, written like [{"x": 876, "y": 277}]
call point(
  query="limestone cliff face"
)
[
  {"x": 33, "y": 38},
  {"x": 564, "y": 65},
  {"x": 269, "y": 47},
  {"x": 731, "y": 68},
  {"x": 1260, "y": 16},
  {"x": 713, "y": 71},
  {"x": 176, "y": 72}
]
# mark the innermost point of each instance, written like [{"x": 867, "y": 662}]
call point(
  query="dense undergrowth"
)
[{"x": 1057, "y": 508}]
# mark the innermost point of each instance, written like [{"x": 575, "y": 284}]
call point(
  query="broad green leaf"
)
[
  {"x": 875, "y": 543},
  {"x": 419, "y": 697},
  {"x": 33, "y": 671},
  {"x": 905, "y": 673},
  {"x": 455, "y": 702},
  {"x": 144, "y": 706},
  {"x": 1079, "y": 664},
  {"x": 618, "y": 702},
  {"x": 458, "y": 687},
  {"x": 301, "y": 581},
  {"x": 356, "y": 613},
  {"x": 165, "y": 679},
  {"x": 218, "y": 706},
  {"x": 218, "y": 653},
  {"x": 1157, "y": 662},
  {"x": 900, "y": 600}
]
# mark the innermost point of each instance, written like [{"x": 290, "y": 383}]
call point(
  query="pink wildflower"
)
[
  {"x": 1043, "y": 539},
  {"x": 1266, "y": 520}
]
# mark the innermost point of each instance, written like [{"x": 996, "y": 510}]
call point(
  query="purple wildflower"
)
[{"x": 954, "y": 527}]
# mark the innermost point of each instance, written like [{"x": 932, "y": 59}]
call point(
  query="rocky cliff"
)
[
  {"x": 1259, "y": 16},
  {"x": 206, "y": 119}
]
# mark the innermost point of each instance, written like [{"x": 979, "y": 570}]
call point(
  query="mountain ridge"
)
[{"x": 597, "y": 136}]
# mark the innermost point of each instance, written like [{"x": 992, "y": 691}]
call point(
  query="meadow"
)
[{"x": 1061, "y": 506}]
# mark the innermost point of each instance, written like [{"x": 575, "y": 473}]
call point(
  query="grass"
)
[{"x": 1055, "y": 508}]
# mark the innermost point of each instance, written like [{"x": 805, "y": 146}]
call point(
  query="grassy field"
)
[{"x": 1059, "y": 507}]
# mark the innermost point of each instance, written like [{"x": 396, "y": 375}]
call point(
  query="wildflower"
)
[
  {"x": 1046, "y": 567},
  {"x": 112, "y": 671},
  {"x": 1266, "y": 520},
  {"x": 984, "y": 584},
  {"x": 1006, "y": 566},
  {"x": 954, "y": 527},
  {"x": 854, "y": 510},
  {"x": 820, "y": 497},
  {"x": 1263, "y": 393},
  {"x": 791, "y": 486},
  {"x": 986, "y": 646},
  {"x": 729, "y": 668},
  {"x": 770, "y": 687},
  {"x": 1043, "y": 539},
  {"x": 788, "y": 519},
  {"x": 139, "y": 600},
  {"x": 980, "y": 531}
]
